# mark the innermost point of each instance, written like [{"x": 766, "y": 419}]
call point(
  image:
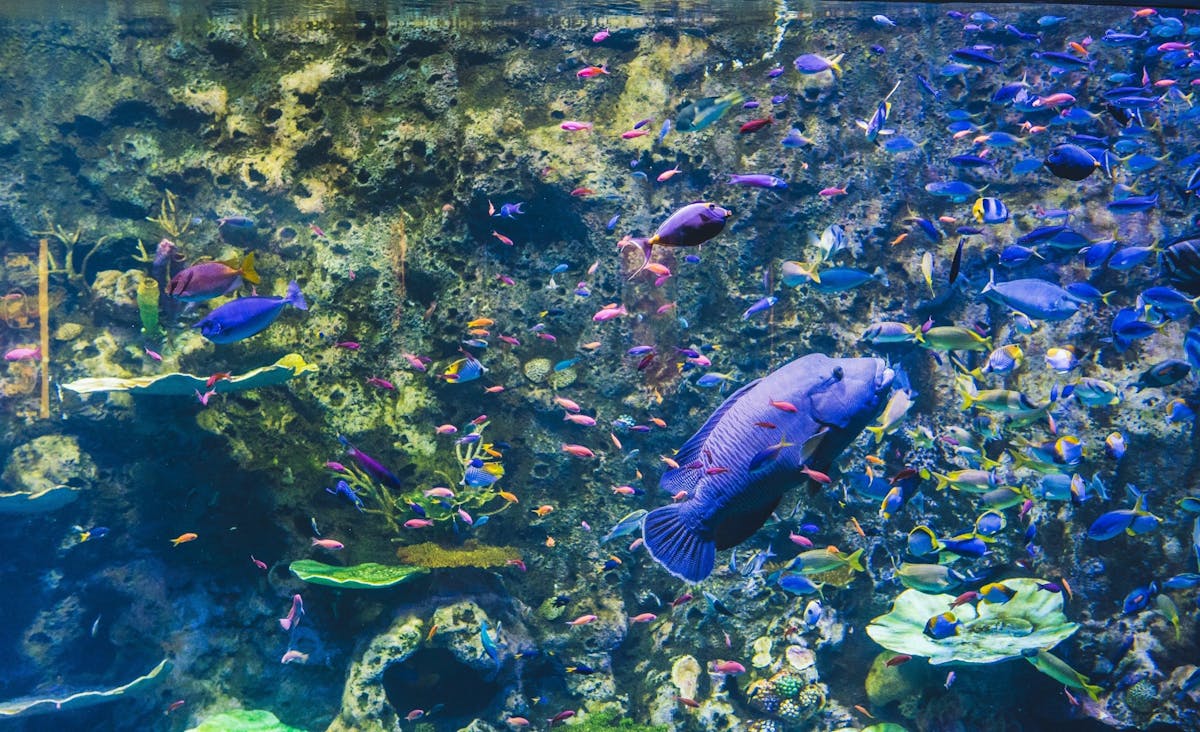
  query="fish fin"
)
[
  {"x": 1092, "y": 690},
  {"x": 855, "y": 561},
  {"x": 248, "y": 272},
  {"x": 991, "y": 283},
  {"x": 739, "y": 525},
  {"x": 876, "y": 430},
  {"x": 691, "y": 450},
  {"x": 644, "y": 246},
  {"x": 679, "y": 479},
  {"x": 835, "y": 63},
  {"x": 676, "y": 546},
  {"x": 294, "y": 297}
]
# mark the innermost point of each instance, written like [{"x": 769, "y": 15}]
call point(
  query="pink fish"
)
[
  {"x": 381, "y": 383},
  {"x": 510, "y": 340},
  {"x": 665, "y": 308},
  {"x": 546, "y": 336},
  {"x": 609, "y": 313},
  {"x": 24, "y": 354},
  {"x": 643, "y": 618},
  {"x": 414, "y": 715},
  {"x": 418, "y": 523},
  {"x": 801, "y": 540},
  {"x": 573, "y": 126},
  {"x": 203, "y": 398},
  {"x": 601, "y": 36},
  {"x": 588, "y": 72},
  {"x": 728, "y": 667},
  {"x": 466, "y": 517},
  {"x": 154, "y": 355},
  {"x": 516, "y": 563},
  {"x": 636, "y": 543},
  {"x": 349, "y": 345},
  {"x": 439, "y": 492},
  {"x": 293, "y": 617},
  {"x": 317, "y": 230},
  {"x": 505, "y": 279},
  {"x": 578, "y": 451},
  {"x": 417, "y": 362},
  {"x": 1059, "y": 99},
  {"x": 329, "y": 544},
  {"x": 583, "y": 620},
  {"x": 259, "y": 563},
  {"x": 832, "y": 191},
  {"x": 566, "y": 404},
  {"x": 624, "y": 490},
  {"x": 446, "y": 429},
  {"x": 631, "y": 134},
  {"x": 294, "y": 656},
  {"x": 503, "y": 239},
  {"x": 579, "y": 419},
  {"x": 668, "y": 174},
  {"x": 517, "y": 722},
  {"x": 336, "y": 467}
]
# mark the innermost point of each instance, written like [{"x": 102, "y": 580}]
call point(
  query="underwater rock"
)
[
  {"x": 45, "y": 474},
  {"x": 685, "y": 674},
  {"x": 114, "y": 295},
  {"x": 33, "y": 705},
  {"x": 365, "y": 706},
  {"x": 537, "y": 369},
  {"x": 886, "y": 684}
]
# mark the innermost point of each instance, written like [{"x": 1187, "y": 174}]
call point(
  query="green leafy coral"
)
[
  {"x": 472, "y": 554},
  {"x": 244, "y": 720},
  {"x": 367, "y": 576},
  {"x": 610, "y": 720},
  {"x": 1031, "y": 620}
]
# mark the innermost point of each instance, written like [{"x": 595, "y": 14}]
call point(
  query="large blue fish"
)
[
  {"x": 1039, "y": 299},
  {"x": 833, "y": 401},
  {"x": 247, "y": 316}
]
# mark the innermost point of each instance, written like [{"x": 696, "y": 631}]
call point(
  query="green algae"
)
[
  {"x": 472, "y": 554},
  {"x": 610, "y": 720},
  {"x": 244, "y": 720},
  {"x": 368, "y": 576}
]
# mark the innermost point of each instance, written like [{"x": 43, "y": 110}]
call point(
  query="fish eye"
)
[{"x": 838, "y": 373}]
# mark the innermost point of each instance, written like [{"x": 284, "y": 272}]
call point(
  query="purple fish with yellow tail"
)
[
  {"x": 819, "y": 404},
  {"x": 207, "y": 280}
]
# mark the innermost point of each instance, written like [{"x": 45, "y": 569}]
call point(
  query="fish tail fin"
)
[
  {"x": 294, "y": 297},
  {"x": 942, "y": 481},
  {"x": 876, "y": 430},
  {"x": 676, "y": 546},
  {"x": 1092, "y": 690},
  {"x": 991, "y": 283},
  {"x": 855, "y": 561},
  {"x": 248, "y": 272},
  {"x": 644, "y": 246},
  {"x": 881, "y": 275},
  {"x": 835, "y": 63}
]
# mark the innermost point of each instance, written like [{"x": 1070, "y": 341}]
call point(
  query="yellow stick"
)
[{"x": 44, "y": 321}]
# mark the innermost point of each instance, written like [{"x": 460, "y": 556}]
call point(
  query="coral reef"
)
[
  {"x": 470, "y": 554},
  {"x": 368, "y": 576},
  {"x": 243, "y": 720},
  {"x": 35, "y": 705}
]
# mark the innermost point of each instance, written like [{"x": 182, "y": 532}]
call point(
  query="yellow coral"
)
[
  {"x": 206, "y": 98},
  {"x": 307, "y": 79},
  {"x": 314, "y": 202},
  {"x": 471, "y": 554}
]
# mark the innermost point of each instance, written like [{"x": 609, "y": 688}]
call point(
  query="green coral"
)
[
  {"x": 244, "y": 720},
  {"x": 990, "y": 632},
  {"x": 1142, "y": 696},
  {"x": 355, "y": 577},
  {"x": 471, "y": 554},
  {"x": 610, "y": 720}
]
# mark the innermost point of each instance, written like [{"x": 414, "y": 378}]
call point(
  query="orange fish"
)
[
  {"x": 658, "y": 421},
  {"x": 590, "y": 345},
  {"x": 510, "y": 497},
  {"x": 184, "y": 538},
  {"x": 429, "y": 636},
  {"x": 481, "y": 323},
  {"x": 543, "y": 510}
]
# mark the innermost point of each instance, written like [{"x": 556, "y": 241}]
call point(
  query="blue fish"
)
[
  {"x": 942, "y": 626},
  {"x": 248, "y": 316},
  {"x": 1114, "y": 523},
  {"x": 1133, "y": 204},
  {"x": 797, "y": 584},
  {"x": 1038, "y": 299},
  {"x": 838, "y": 398},
  {"x": 488, "y": 643},
  {"x": 1139, "y": 598},
  {"x": 764, "y": 304}
]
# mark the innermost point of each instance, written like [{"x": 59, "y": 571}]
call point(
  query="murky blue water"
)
[{"x": 622, "y": 366}]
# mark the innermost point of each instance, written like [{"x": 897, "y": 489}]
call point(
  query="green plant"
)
[{"x": 369, "y": 576}]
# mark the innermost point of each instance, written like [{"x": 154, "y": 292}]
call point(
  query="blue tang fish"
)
[
  {"x": 247, "y": 316},
  {"x": 822, "y": 404}
]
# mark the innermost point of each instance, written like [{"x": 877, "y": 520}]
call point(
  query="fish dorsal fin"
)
[{"x": 692, "y": 450}]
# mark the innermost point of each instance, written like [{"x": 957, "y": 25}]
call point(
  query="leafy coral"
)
[
  {"x": 1032, "y": 619},
  {"x": 472, "y": 554},
  {"x": 610, "y": 720},
  {"x": 243, "y": 720},
  {"x": 356, "y": 577}
]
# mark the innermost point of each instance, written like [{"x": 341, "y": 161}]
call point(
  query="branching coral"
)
[
  {"x": 168, "y": 217},
  {"x": 69, "y": 240}
]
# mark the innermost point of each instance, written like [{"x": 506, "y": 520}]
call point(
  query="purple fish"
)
[
  {"x": 835, "y": 400},
  {"x": 811, "y": 63},
  {"x": 248, "y": 316},
  {"x": 764, "y": 304},
  {"x": 370, "y": 464},
  {"x": 690, "y": 226},
  {"x": 757, "y": 180},
  {"x": 165, "y": 255},
  {"x": 207, "y": 280}
]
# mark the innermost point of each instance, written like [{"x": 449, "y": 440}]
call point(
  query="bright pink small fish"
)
[
  {"x": 294, "y": 656},
  {"x": 509, "y": 340},
  {"x": 414, "y": 715},
  {"x": 330, "y": 544},
  {"x": 506, "y": 279},
  {"x": 336, "y": 467},
  {"x": 579, "y": 419},
  {"x": 567, "y": 404},
  {"x": 516, "y": 563},
  {"x": 381, "y": 383},
  {"x": 601, "y": 36},
  {"x": 349, "y": 345},
  {"x": 417, "y": 362},
  {"x": 293, "y": 616},
  {"x": 466, "y": 517},
  {"x": 583, "y": 620},
  {"x": 154, "y": 355},
  {"x": 631, "y": 134},
  {"x": 503, "y": 239},
  {"x": 24, "y": 354},
  {"x": 317, "y": 230},
  {"x": 588, "y": 72},
  {"x": 609, "y": 313},
  {"x": 578, "y": 451},
  {"x": 203, "y": 398},
  {"x": 643, "y": 618},
  {"x": 439, "y": 492},
  {"x": 728, "y": 667},
  {"x": 418, "y": 523},
  {"x": 574, "y": 126},
  {"x": 446, "y": 429},
  {"x": 801, "y": 540},
  {"x": 832, "y": 191},
  {"x": 259, "y": 563}
]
